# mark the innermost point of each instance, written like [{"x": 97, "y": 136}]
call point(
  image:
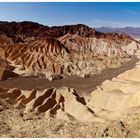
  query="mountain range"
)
[{"x": 132, "y": 31}]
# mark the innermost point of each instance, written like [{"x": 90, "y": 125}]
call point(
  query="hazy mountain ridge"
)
[{"x": 132, "y": 31}]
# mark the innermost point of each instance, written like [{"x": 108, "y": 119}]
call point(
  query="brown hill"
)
[{"x": 24, "y": 31}]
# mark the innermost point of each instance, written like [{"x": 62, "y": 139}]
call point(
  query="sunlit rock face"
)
[{"x": 86, "y": 56}]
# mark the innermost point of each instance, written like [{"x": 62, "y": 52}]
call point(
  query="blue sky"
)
[{"x": 92, "y": 14}]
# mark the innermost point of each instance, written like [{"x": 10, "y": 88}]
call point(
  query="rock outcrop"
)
[{"x": 6, "y": 71}]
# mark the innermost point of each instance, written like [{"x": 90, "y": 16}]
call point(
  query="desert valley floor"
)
[{"x": 83, "y": 86}]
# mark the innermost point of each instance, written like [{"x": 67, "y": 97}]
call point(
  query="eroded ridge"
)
[
  {"x": 72, "y": 55},
  {"x": 63, "y": 103}
]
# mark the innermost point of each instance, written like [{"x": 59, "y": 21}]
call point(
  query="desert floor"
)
[{"x": 83, "y": 86}]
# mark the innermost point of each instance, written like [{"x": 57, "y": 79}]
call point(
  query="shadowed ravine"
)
[{"x": 81, "y": 85}]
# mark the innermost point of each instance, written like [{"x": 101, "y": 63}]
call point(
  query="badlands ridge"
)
[{"x": 68, "y": 50}]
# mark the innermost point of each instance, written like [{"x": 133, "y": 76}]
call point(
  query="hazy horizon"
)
[{"x": 72, "y": 24}]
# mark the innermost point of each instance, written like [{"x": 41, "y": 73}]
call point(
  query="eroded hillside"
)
[
  {"x": 68, "y": 50},
  {"x": 29, "y": 49}
]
